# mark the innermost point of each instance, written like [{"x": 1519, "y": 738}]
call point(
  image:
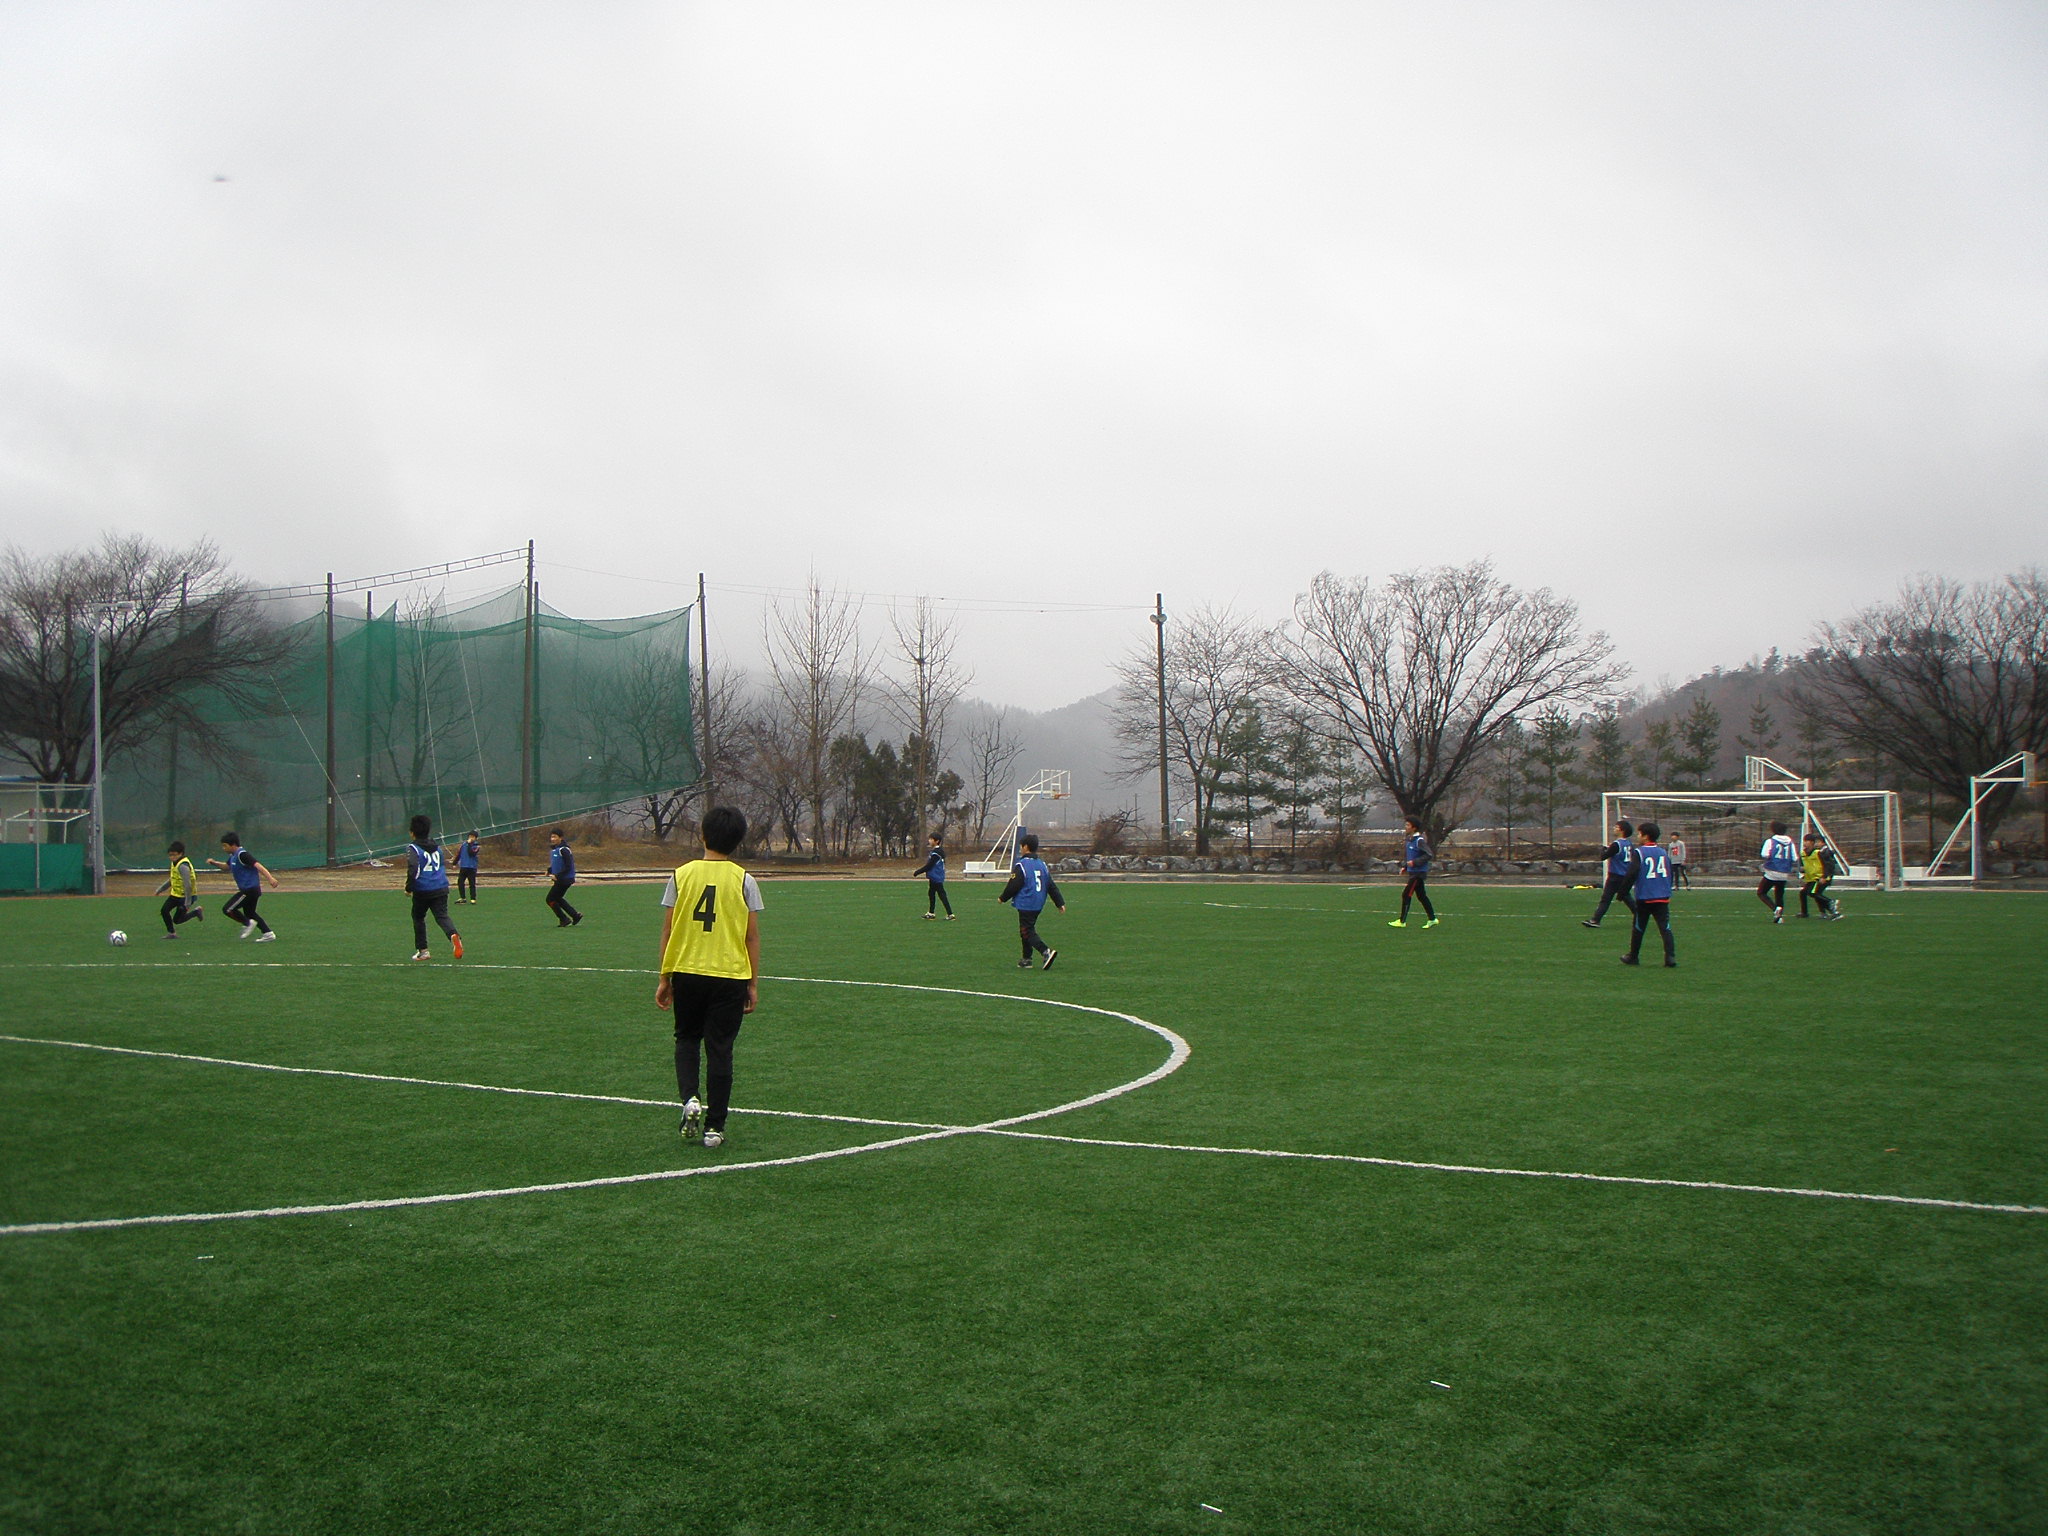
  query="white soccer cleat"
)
[
  {"x": 714, "y": 1138},
  {"x": 693, "y": 1120},
  {"x": 421, "y": 954},
  {"x": 247, "y": 929},
  {"x": 268, "y": 938}
]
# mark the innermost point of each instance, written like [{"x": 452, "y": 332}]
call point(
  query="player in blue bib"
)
[
  {"x": 934, "y": 871},
  {"x": 1780, "y": 857},
  {"x": 1618, "y": 858},
  {"x": 1649, "y": 897},
  {"x": 1031, "y": 887},
  {"x": 249, "y": 877},
  {"x": 426, "y": 880},
  {"x": 561, "y": 871},
  {"x": 1416, "y": 857},
  {"x": 467, "y": 858}
]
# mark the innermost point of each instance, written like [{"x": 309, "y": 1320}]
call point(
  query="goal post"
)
[
  {"x": 1863, "y": 827},
  {"x": 2022, "y": 769},
  {"x": 1051, "y": 784}
]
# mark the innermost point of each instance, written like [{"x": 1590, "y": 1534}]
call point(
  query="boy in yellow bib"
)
[{"x": 710, "y": 962}]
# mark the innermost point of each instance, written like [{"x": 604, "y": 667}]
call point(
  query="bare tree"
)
[
  {"x": 923, "y": 696},
  {"x": 819, "y": 669},
  {"x": 1942, "y": 682},
  {"x": 640, "y": 715},
  {"x": 175, "y": 626},
  {"x": 1424, "y": 671},
  {"x": 1215, "y": 672},
  {"x": 775, "y": 770},
  {"x": 992, "y": 753}
]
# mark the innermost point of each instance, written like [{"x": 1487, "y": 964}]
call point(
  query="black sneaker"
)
[
  {"x": 576, "y": 919},
  {"x": 1670, "y": 965},
  {"x": 1050, "y": 956},
  {"x": 1589, "y": 923},
  {"x": 1630, "y": 960},
  {"x": 1022, "y": 965}
]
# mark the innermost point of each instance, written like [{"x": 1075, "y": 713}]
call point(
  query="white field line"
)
[
  {"x": 1522, "y": 1173},
  {"x": 438, "y": 1082},
  {"x": 1177, "y": 1055},
  {"x": 1542, "y": 917}
]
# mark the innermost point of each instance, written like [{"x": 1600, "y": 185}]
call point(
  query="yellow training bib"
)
[{"x": 707, "y": 931}]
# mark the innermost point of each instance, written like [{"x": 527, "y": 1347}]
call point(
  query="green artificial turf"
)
[{"x": 981, "y": 1333}]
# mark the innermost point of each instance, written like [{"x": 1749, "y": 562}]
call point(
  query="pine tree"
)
[
  {"x": 1762, "y": 739},
  {"x": 1507, "y": 779},
  {"x": 1699, "y": 737},
  {"x": 1654, "y": 756},
  {"x": 1297, "y": 767},
  {"x": 1552, "y": 753},
  {"x": 1242, "y": 769}
]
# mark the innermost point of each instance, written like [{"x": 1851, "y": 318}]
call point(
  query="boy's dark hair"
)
[
  {"x": 1410, "y": 821},
  {"x": 175, "y": 848},
  {"x": 935, "y": 838},
  {"x": 1777, "y": 826},
  {"x": 231, "y": 840},
  {"x": 1652, "y": 831},
  {"x": 421, "y": 826},
  {"x": 725, "y": 828},
  {"x": 1029, "y": 840},
  {"x": 1627, "y": 827},
  {"x": 470, "y": 833},
  {"x": 558, "y": 832}
]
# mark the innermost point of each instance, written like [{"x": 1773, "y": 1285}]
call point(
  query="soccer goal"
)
[
  {"x": 2021, "y": 769},
  {"x": 1051, "y": 784},
  {"x": 1862, "y": 826}
]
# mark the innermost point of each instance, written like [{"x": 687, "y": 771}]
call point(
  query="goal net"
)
[{"x": 1728, "y": 826}]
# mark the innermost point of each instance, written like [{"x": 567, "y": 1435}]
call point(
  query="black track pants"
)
[
  {"x": 424, "y": 902},
  {"x": 709, "y": 1011}
]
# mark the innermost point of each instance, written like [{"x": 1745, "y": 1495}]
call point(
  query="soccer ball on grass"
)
[{"x": 117, "y": 937}]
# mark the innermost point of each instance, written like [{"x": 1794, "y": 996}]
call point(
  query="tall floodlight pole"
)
[
  {"x": 330, "y": 721},
  {"x": 1165, "y": 807},
  {"x": 704, "y": 753},
  {"x": 99, "y": 755}
]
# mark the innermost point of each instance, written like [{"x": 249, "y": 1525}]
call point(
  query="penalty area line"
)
[{"x": 1521, "y": 1173}]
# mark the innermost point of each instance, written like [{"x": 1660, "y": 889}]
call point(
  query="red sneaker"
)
[{"x": 456, "y": 940}]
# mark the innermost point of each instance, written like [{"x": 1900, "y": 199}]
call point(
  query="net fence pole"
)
[
  {"x": 526, "y": 711},
  {"x": 99, "y": 753},
  {"x": 331, "y": 790},
  {"x": 705, "y": 755}
]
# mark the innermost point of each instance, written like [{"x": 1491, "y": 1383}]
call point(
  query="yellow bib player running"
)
[
  {"x": 182, "y": 905},
  {"x": 710, "y": 959}
]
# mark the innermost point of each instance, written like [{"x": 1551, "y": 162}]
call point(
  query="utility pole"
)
[
  {"x": 705, "y": 754},
  {"x": 1165, "y": 805}
]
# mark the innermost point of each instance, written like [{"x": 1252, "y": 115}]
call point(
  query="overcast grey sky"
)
[{"x": 1718, "y": 317}]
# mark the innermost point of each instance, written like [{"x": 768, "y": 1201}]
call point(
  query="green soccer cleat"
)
[
  {"x": 1399, "y": 922},
  {"x": 1432, "y": 922}
]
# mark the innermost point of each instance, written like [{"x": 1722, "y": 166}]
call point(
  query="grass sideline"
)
[{"x": 996, "y": 1334}]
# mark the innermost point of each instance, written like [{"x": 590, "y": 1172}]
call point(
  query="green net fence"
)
[{"x": 483, "y": 717}]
